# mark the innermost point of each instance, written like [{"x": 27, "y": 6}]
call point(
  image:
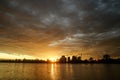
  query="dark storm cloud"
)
[{"x": 63, "y": 25}]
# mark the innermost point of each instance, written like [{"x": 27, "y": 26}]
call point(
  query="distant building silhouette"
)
[
  {"x": 79, "y": 59},
  {"x": 69, "y": 60},
  {"x": 106, "y": 57},
  {"x": 62, "y": 59},
  {"x": 74, "y": 59},
  {"x": 91, "y": 59}
]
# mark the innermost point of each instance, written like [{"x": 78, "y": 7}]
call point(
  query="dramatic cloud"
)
[{"x": 56, "y": 27}]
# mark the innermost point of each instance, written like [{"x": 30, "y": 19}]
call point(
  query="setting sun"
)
[{"x": 53, "y": 59}]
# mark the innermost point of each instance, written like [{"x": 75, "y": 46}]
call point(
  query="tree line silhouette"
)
[{"x": 63, "y": 59}]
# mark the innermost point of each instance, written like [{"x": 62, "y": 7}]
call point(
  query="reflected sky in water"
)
[{"x": 23, "y": 71}]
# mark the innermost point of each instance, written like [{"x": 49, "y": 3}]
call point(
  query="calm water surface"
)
[{"x": 24, "y": 71}]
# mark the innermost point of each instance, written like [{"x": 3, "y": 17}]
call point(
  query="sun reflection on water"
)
[{"x": 53, "y": 71}]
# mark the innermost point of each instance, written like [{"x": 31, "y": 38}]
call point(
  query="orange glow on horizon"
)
[
  {"x": 50, "y": 57},
  {"x": 53, "y": 59},
  {"x": 13, "y": 56}
]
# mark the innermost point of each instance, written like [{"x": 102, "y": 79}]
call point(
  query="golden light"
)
[
  {"x": 53, "y": 59},
  {"x": 14, "y": 56}
]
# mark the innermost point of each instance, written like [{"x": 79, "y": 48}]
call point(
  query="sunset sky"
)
[{"x": 51, "y": 28}]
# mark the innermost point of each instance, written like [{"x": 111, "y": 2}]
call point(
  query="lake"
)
[{"x": 27, "y": 71}]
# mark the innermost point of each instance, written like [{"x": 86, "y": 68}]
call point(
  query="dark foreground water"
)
[{"x": 24, "y": 71}]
